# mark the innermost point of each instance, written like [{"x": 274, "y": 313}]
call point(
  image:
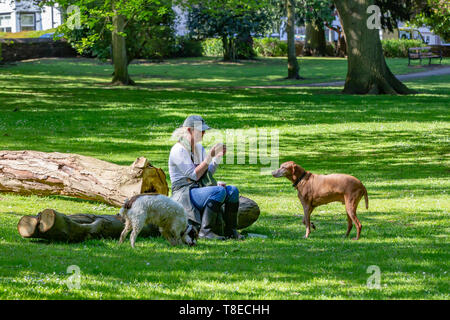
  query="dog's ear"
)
[
  {"x": 294, "y": 169},
  {"x": 297, "y": 170},
  {"x": 193, "y": 233}
]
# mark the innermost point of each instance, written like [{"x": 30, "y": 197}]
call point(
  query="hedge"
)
[
  {"x": 398, "y": 48},
  {"x": 186, "y": 47},
  {"x": 270, "y": 47},
  {"x": 266, "y": 47},
  {"x": 212, "y": 47}
]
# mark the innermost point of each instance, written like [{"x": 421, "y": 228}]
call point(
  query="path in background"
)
[{"x": 438, "y": 71}]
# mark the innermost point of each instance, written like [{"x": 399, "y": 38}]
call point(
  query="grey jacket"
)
[{"x": 181, "y": 193}]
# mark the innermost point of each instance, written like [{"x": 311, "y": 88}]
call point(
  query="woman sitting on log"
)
[{"x": 191, "y": 172}]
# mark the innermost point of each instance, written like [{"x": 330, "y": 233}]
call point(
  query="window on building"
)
[
  {"x": 27, "y": 22},
  {"x": 5, "y": 23}
]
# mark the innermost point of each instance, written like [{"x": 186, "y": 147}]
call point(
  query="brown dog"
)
[{"x": 315, "y": 190}]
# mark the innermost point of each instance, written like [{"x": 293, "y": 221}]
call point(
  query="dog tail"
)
[
  {"x": 366, "y": 198},
  {"x": 123, "y": 211}
]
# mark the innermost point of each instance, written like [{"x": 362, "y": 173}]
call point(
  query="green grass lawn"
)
[
  {"x": 195, "y": 73},
  {"x": 398, "y": 146}
]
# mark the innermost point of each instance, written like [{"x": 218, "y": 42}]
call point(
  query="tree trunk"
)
[
  {"x": 293, "y": 66},
  {"x": 119, "y": 51},
  {"x": 315, "y": 44},
  {"x": 342, "y": 46},
  {"x": 52, "y": 225},
  {"x": 341, "y": 50},
  {"x": 367, "y": 70},
  {"x": 244, "y": 47},
  {"x": 32, "y": 172},
  {"x": 229, "y": 49}
]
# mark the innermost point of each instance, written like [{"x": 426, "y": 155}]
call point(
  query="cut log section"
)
[
  {"x": 248, "y": 212},
  {"x": 52, "y": 225},
  {"x": 40, "y": 173}
]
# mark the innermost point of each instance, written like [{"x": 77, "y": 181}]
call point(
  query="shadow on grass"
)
[{"x": 155, "y": 270}]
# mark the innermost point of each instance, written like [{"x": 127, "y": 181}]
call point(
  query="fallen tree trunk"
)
[
  {"x": 55, "y": 226},
  {"x": 52, "y": 225},
  {"x": 40, "y": 173}
]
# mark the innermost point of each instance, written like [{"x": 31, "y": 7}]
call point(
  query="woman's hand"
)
[{"x": 218, "y": 150}]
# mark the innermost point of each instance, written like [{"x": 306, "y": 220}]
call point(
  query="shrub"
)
[
  {"x": 245, "y": 48},
  {"x": 0, "y": 52},
  {"x": 266, "y": 47},
  {"x": 330, "y": 50},
  {"x": 212, "y": 47},
  {"x": 159, "y": 46},
  {"x": 153, "y": 39},
  {"x": 187, "y": 47},
  {"x": 398, "y": 48},
  {"x": 270, "y": 47}
]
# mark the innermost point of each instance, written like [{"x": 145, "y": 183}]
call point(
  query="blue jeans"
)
[{"x": 201, "y": 196}]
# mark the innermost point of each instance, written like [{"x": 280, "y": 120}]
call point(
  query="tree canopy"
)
[
  {"x": 235, "y": 22},
  {"x": 106, "y": 25},
  {"x": 436, "y": 15}
]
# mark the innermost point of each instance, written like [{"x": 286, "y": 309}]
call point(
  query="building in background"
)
[
  {"x": 25, "y": 15},
  {"x": 181, "y": 18}
]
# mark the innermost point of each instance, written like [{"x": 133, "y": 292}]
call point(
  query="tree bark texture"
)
[
  {"x": 52, "y": 225},
  {"x": 315, "y": 44},
  {"x": 293, "y": 66},
  {"x": 367, "y": 72},
  {"x": 40, "y": 173},
  {"x": 120, "y": 60}
]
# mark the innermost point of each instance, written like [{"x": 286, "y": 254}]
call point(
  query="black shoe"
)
[
  {"x": 230, "y": 218},
  {"x": 209, "y": 221}
]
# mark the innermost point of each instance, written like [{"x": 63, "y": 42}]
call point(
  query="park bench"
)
[{"x": 420, "y": 53}]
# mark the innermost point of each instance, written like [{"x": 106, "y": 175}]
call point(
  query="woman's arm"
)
[
  {"x": 212, "y": 158},
  {"x": 181, "y": 159},
  {"x": 208, "y": 163},
  {"x": 203, "y": 166}
]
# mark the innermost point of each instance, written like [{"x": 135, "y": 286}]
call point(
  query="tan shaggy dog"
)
[
  {"x": 161, "y": 211},
  {"x": 314, "y": 190}
]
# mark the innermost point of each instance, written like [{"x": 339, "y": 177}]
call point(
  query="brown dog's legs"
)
[
  {"x": 349, "y": 225},
  {"x": 307, "y": 209},
  {"x": 351, "y": 206},
  {"x": 312, "y": 223}
]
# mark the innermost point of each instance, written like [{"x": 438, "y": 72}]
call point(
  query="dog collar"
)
[{"x": 298, "y": 180}]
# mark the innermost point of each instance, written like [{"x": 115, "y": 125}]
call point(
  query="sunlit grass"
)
[
  {"x": 192, "y": 73},
  {"x": 398, "y": 146}
]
